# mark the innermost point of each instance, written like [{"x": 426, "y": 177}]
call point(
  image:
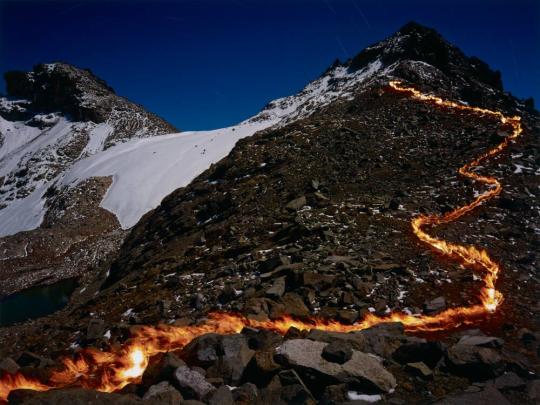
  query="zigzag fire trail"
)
[{"x": 111, "y": 371}]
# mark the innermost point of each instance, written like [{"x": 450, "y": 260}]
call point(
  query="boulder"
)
[
  {"x": 161, "y": 369},
  {"x": 355, "y": 341},
  {"x": 221, "y": 396},
  {"x": 489, "y": 396},
  {"x": 474, "y": 362},
  {"x": 9, "y": 365},
  {"x": 272, "y": 263},
  {"x": 509, "y": 381},
  {"x": 362, "y": 368},
  {"x": 296, "y": 204},
  {"x": 385, "y": 338},
  {"x": 191, "y": 383},
  {"x": 245, "y": 394},
  {"x": 237, "y": 352},
  {"x": 317, "y": 280},
  {"x": 436, "y": 305},
  {"x": 277, "y": 289},
  {"x": 337, "y": 352},
  {"x": 79, "y": 396},
  {"x": 95, "y": 329},
  {"x": 533, "y": 390},
  {"x": 294, "y": 390},
  {"x": 33, "y": 360},
  {"x": 262, "y": 368},
  {"x": 484, "y": 341},
  {"x": 348, "y": 316},
  {"x": 419, "y": 350},
  {"x": 419, "y": 369},
  {"x": 202, "y": 351},
  {"x": 163, "y": 393},
  {"x": 294, "y": 305},
  {"x": 261, "y": 339}
]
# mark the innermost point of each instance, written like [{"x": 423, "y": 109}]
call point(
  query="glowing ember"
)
[{"x": 110, "y": 371}]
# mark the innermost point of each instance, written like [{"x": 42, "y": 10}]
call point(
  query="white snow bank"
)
[
  {"x": 356, "y": 396},
  {"x": 97, "y": 138},
  {"x": 23, "y": 214},
  {"x": 146, "y": 170}
]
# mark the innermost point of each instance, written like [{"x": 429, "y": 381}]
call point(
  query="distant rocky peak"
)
[
  {"x": 79, "y": 95},
  {"x": 62, "y": 87},
  {"x": 415, "y": 42}
]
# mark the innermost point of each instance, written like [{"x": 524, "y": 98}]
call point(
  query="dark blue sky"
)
[{"x": 209, "y": 63}]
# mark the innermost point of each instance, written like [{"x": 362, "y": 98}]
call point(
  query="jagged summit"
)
[
  {"x": 53, "y": 117},
  {"x": 416, "y": 54},
  {"x": 416, "y": 42},
  {"x": 80, "y": 95},
  {"x": 60, "y": 87}
]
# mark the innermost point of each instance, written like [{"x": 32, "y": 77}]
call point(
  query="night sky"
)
[{"x": 205, "y": 64}]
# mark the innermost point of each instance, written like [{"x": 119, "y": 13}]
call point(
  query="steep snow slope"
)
[
  {"x": 56, "y": 115},
  {"x": 146, "y": 170}
]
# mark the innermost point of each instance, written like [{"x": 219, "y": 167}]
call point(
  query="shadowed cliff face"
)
[{"x": 78, "y": 93}]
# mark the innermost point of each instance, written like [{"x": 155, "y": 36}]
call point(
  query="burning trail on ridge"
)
[{"x": 110, "y": 371}]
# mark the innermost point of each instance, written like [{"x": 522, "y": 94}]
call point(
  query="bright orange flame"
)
[
  {"x": 111, "y": 371},
  {"x": 469, "y": 255}
]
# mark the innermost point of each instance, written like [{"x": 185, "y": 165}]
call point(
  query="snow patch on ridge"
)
[
  {"x": 145, "y": 170},
  {"x": 336, "y": 83}
]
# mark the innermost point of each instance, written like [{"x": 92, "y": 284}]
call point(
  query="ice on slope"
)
[
  {"x": 146, "y": 170},
  {"x": 97, "y": 136},
  {"x": 338, "y": 82},
  {"x": 23, "y": 214}
]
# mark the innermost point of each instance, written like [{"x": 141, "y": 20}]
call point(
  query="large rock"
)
[
  {"x": 294, "y": 305},
  {"x": 161, "y": 369},
  {"x": 163, "y": 393},
  {"x": 262, "y": 368},
  {"x": 262, "y": 339},
  {"x": 9, "y": 365},
  {"x": 237, "y": 353},
  {"x": 202, "y": 351},
  {"x": 296, "y": 204},
  {"x": 222, "y": 396},
  {"x": 191, "y": 383},
  {"x": 509, "y": 381},
  {"x": 436, "y": 305},
  {"x": 277, "y": 289},
  {"x": 79, "y": 396},
  {"x": 484, "y": 341},
  {"x": 337, "y": 352},
  {"x": 489, "y": 396},
  {"x": 533, "y": 390},
  {"x": 362, "y": 368},
  {"x": 95, "y": 329},
  {"x": 474, "y": 362},
  {"x": 355, "y": 340},
  {"x": 419, "y": 350}
]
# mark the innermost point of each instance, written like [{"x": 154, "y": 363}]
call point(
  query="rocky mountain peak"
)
[
  {"x": 72, "y": 91},
  {"x": 62, "y": 87},
  {"x": 415, "y": 42}
]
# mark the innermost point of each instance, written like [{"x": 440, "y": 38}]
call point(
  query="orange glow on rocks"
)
[{"x": 111, "y": 371}]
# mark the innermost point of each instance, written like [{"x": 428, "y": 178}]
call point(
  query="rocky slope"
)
[
  {"x": 310, "y": 217},
  {"x": 54, "y": 117}
]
